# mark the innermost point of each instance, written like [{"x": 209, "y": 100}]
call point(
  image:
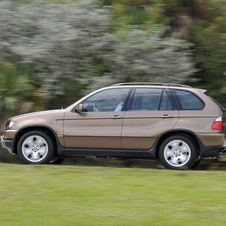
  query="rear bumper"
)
[
  {"x": 8, "y": 144},
  {"x": 213, "y": 152},
  {"x": 212, "y": 139},
  {"x": 212, "y": 145}
]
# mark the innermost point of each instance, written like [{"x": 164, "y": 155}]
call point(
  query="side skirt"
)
[{"x": 117, "y": 153}]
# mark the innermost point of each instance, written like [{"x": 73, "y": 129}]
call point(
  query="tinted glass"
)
[
  {"x": 146, "y": 99},
  {"x": 188, "y": 100},
  {"x": 165, "y": 103},
  {"x": 107, "y": 100}
]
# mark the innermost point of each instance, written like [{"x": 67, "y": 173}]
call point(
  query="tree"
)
[
  {"x": 15, "y": 88},
  {"x": 74, "y": 43}
]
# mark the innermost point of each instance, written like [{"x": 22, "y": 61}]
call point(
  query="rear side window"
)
[
  {"x": 187, "y": 100},
  {"x": 147, "y": 99}
]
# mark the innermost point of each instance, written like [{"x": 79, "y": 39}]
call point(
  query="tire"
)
[
  {"x": 56, "y": 161},
  {"x": 196, "y": 164},
  {"x": 177, "y": 152},
  {"x": 35, "y": 147}
]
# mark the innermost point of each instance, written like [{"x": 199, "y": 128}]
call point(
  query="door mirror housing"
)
[{"x": 79, "y": 108}]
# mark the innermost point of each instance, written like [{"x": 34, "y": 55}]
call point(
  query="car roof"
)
[
  {"x": 151, "y": 83},
  {"x": 167, "y": 85}
]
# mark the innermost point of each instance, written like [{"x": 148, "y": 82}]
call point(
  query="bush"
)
[{"x": 72, "y": 43}]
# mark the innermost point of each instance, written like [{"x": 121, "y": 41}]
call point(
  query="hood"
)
[{"x": 39, "y": 113}]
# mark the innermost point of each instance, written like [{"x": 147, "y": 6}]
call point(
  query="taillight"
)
[{"x": 218, "y": 124}]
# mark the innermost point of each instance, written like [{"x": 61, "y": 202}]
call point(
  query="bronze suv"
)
[{"x": 177, "y": 124}]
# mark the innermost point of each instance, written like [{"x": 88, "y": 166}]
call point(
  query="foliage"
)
[
  {"x": 209, "y": 37},
  {"x": 58, "y": 39},
  {"x": 199, "y": 21},
  {"x": 15, "y": 87},
  {"x": 73, "y": 43},
  {"x": 142, "y": 55},
  {"x": 203, "y": 23},
  {"x": 63, "y": 68}
]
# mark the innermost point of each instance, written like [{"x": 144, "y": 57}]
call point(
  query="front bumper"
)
[{"x": 8, "y": 144}]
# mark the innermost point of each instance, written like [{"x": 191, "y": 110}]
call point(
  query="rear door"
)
[{"x": 152, "y": 111}]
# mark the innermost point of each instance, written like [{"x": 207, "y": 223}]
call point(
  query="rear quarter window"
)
[{"x": 187, "y": 100}]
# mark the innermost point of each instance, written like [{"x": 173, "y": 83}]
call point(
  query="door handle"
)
[
  {"x": 116, "y": 117},
  {"x": 167, "y": 116}
]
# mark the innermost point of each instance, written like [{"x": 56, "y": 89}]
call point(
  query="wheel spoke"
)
[
  {"x": 174, "y": 161},
  {"x": 35, "y": 148},
  {"x": 40, "y": 142},
  {"x": 35, "y": 156},
  {"x": 28, "y": 152},
  {"x": 177, "y": 153},
  {"x": 183, "y": 158},
  {"x": 29, "y": 142},
  {"x": 42, "y": 151},
  {"x": 183, "y": 148}
]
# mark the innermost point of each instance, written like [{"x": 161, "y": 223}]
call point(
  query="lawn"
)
[{"x": 49, "y": 195}]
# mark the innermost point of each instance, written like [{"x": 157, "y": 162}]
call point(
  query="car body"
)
[{"x": 177, "y": 124}]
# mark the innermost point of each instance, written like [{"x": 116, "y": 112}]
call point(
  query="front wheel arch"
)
[
  {"x": 46, "y": 130},
  {"x": 35, "y": 147}
]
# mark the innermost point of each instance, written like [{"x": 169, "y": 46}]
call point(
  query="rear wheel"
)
[
  {"x": 177, "y": 152},
  {"x": 35, "y": 147},
  {"x": 196, "y": 164},
  {"x": 56, "y": 161}
]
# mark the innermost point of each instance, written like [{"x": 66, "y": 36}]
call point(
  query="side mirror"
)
[{"x": 79, "y": 108}]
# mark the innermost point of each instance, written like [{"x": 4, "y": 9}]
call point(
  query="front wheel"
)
[
  {"x": 35, "y": 147},
  {"x": 177, "y": 152}
]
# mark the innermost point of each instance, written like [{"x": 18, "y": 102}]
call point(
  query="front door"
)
[{"x": 100, "y": 123}]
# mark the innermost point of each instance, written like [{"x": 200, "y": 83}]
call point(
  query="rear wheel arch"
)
[
  {"x": 177, "y": 152},
  {"x": 44, "y": 129},
  {"x": 187, "y": 134}
]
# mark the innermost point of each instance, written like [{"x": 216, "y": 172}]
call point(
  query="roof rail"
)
[{"x": 151, "y": 83}]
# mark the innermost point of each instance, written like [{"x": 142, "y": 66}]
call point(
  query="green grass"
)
[{"x": 70, "y": 195}]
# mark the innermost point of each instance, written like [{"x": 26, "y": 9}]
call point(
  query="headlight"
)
[{"x": 9, "y": 124}]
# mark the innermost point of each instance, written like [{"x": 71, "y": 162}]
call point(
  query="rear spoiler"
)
[{"x": 207, "y": 92}]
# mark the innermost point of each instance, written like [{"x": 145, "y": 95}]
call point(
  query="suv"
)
[{"x": 177, "y": 124}]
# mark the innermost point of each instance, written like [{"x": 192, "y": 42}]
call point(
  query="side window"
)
[
  {"x": 187, "y": 100},
  {"x": 146, "y": 99},
  {"x": 106, "y": 100},
  {"x": 165, "y": 103}
]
